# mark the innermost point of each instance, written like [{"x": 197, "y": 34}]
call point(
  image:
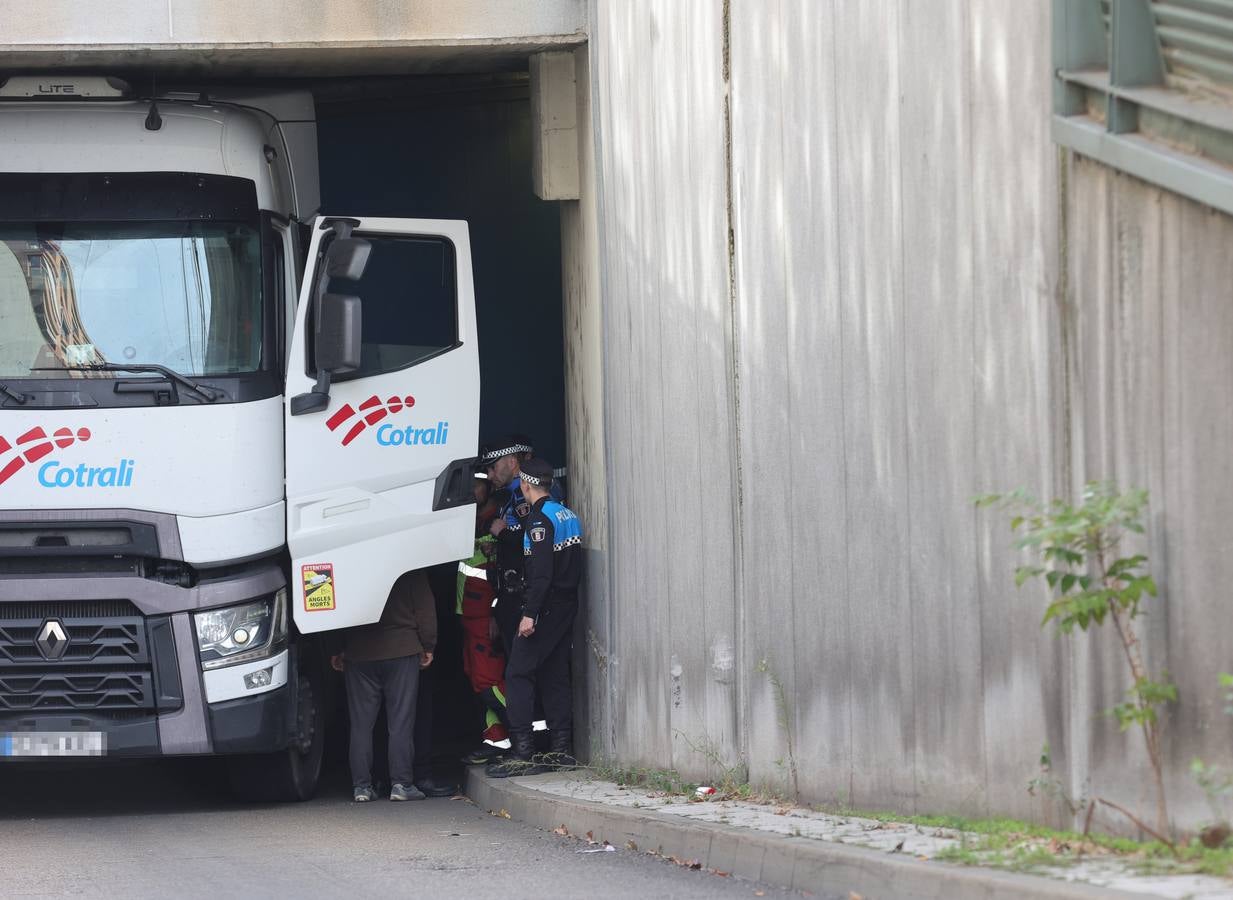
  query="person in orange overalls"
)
[{"x": 483, "y": 656}]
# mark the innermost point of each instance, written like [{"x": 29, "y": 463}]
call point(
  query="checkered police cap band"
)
[
  {"x": 531, "y": 479},
  {"x": 493, "y": 455}
]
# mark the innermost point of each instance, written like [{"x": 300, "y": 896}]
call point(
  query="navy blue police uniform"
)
[
  {"x": 509, "y": 569},
  {"x": 552, "y": 557}
]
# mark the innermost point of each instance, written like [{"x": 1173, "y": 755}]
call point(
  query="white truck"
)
[{"x": 207, "y": 458}]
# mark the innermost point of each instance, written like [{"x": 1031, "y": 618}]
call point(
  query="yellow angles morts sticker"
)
[{"x": 318, "y": 581}]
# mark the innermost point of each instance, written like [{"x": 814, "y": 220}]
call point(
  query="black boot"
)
[
  {"x": 560, "y": 753},
  {"x": 484, "y": 753},
  {"x": 519, "y": 761}
]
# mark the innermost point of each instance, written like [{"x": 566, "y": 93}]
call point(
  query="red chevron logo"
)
[
  {"x": 33, "y": 446},
  {"x": 371, "y": 411}
]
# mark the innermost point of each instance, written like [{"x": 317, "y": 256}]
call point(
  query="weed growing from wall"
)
[
  {"x": 1076, "y": 549},
  {"x": 784, "y": 714},
  {"x": 1217, "y": 785}
]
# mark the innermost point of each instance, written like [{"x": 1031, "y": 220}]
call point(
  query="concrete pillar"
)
[{"x": 554, "y": 126}]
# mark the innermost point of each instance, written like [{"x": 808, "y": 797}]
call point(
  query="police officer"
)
[
  {"x": 552, "y": 554},
  {"x": 502, "y": 461}
]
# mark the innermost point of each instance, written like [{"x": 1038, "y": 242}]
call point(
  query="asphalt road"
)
[{"x": 164, "y": 829}]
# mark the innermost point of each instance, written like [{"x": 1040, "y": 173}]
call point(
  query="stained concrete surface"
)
[
  {"x": 912, "y": 841},
  {"x": 158, "y": 830}
]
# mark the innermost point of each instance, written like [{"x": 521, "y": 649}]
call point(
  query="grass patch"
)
[
  {"x": 1025, "y": 847},
  {"x": 662, "y": 781},
  {"x": 1008, "y": 844}
]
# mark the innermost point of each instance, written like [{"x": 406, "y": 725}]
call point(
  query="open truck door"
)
[{"x": 382, "y": 413}]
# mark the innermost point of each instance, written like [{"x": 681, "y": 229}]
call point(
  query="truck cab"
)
[{"x": 228, "y": 423}]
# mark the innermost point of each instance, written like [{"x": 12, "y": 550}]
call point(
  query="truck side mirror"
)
[
  {"x": 338, "y": 334},
  {"x": 347, "y": 257},
  {"x": 336, "y": 337}
]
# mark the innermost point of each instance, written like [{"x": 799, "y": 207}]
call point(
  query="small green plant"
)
[
  {"x": 784, "y": 712},
  {"x": 1217, "y": 784},
  {"x": 661, "y": 781},
  {"x": 728, "y": 780},
  {"x": 1077, "y": 551},
  {"x": 1048, "y": 787}
]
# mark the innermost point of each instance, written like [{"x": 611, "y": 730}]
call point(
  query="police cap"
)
[
  {"x": 538, "y": 473},
  {"x": 506, "y": 445}
]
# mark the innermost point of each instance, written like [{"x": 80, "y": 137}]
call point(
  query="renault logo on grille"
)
[{"x": 52, "y": 640}]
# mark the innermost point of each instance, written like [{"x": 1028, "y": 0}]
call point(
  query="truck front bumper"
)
[
  {"x": 134, "y": 683},
  {"x": 261, "y": 724}
]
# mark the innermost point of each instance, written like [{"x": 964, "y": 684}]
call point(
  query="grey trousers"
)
[{"x": 396, "y": 681}]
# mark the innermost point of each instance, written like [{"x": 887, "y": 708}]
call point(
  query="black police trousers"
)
[
  {"x": 508, "y": 613},
  {"x": 542, "y": 660}
]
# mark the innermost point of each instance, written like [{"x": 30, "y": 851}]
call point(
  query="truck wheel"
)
[{"x": 292, "y": 774}]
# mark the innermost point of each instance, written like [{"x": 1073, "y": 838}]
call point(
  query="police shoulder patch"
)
[
  {"x": 522, "y": 509},
  {"x": 538, "y": 533}
]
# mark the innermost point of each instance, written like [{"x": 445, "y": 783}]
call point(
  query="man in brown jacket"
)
[{"x": 383, "y": 661}]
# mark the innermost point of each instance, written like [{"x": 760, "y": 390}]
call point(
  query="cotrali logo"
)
[
  {"x": 371, "y": 411},
  {"x": 34, "y": 445}
]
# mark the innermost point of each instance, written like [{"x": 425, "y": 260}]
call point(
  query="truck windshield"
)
[{"x": 185, "y": 295}]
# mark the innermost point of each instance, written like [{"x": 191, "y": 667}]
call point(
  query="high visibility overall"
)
[{"x": 483, "y": 658}]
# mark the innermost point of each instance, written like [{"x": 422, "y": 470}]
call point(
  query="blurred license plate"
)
[{"x": 52, "y": 743}]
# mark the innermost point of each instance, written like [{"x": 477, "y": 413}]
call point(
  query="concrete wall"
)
[
  {"x": 849, "y": 283},
  {"x": 286, "y": 37},
  {"x": 668, "y": 390},
  {"x": 1149, "y": 324},
  {"x": 585, "y": 424},
  {"x": 221, "y": 22}
]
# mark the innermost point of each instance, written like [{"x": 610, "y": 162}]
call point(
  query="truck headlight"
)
[{"x": 236, "y": 634}]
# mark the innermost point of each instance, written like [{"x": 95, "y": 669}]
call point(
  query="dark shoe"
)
[
  {"x": 401, "y": 792},
  {"x": 433, "y": 788},
  {"x": 560, "y": 751},
  {"x": 364, "y": 795},
  {"x": 520, "y": 761},
  {"x": 485, "y": 753}
]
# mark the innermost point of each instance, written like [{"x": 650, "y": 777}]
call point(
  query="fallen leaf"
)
[
  {"x": 852, "y": 895},
  {"x": 561, "y": 831},
  {"x": 898, "y": 847},
  {"x": 759, "y": 893},
  {"x": 922, "y": 858},
  {"x": 694, "y": 864},
  {"x": 590, "y": 836},
  {"x": 501, "y": 813},
  {"x": 721, "y": 874},
  {"x": 630, "y": 845}
]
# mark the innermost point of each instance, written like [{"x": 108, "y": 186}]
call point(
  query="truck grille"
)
[
  {"x": 95, "y": 691},
  {"x": 105, "y": 667}
]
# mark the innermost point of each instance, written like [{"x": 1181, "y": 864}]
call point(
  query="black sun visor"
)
[{"x": 126, "y": 197}]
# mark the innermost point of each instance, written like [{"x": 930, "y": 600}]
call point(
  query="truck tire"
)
[{"x": 289, "y": 775}]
